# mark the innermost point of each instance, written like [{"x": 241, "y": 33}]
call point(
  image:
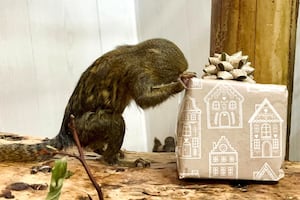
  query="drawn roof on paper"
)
[
  {"x": 223, "y": 89},
  {"x": 223, "y": 145},
  {"x": 265, "y": 170},
  {"x": 190, "y": 104},
  {"x": 265, "y": 112}
]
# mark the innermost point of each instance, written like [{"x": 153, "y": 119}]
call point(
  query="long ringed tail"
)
[{"x": 18, "y": 152}]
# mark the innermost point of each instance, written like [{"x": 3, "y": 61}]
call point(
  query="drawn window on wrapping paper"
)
[
  {"x": 215, "y": 159},
  {"x": 275, "y": 143},
  {"x": 231, "y": 159},
  {"x": 232, "y": 105},
  {"x": 215, "y": 171},
  {"x": 230, "y": 171},
  {"x": 186, "y": 148},
  {"x": 256, "y": 144},
  {"x": 186, "y": 117},
  {"x": 265, "y": 131},
  {"x": 223, "y": 171},
  {"x": 216, "y": 105},
  {"x": 223, "y": 159},
  {"x": 195, "y": 131},
  {"x": 193, "y": 117},
  {"x": 195, "y": 142},
  {"x": 186, "y": 130}
]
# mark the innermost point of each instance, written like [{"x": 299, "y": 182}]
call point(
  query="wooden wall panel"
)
[
  {"x": 272, "y": 41},
  {"x": 264, "y": 30},
  {"x": 247, "y": 29},
  {"x": 233, "y": 26},
  {"x": 261, "y": 29}
]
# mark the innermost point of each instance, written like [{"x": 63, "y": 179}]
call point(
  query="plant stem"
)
[{"x": 81, "y": 157}]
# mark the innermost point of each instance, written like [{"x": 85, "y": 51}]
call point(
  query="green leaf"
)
[{"x": 59, "y": 173}]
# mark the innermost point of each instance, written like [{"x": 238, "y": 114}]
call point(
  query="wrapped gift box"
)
[{"x": 231, "y": 130}]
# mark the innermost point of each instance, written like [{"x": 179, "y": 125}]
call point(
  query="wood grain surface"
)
[{"x": 159, "y": 181}]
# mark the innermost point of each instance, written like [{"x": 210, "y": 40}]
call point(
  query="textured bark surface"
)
[
  {"x": 264, "y": 30},
  {"x": 160, "y": 181}
]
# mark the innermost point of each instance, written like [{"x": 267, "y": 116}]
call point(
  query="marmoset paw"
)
[
  {"x": 185, "y": 76},
  {"x": 188, "y": 75}
]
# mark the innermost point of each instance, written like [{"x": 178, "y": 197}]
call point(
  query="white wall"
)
[
  {"x": 187, "y": 23},
  {"x": 46, "y": 45},
  {"x": 44, "y": 48}
]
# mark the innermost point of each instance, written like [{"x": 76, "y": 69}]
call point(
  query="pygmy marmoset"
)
[{"x": 148, "y": 73}]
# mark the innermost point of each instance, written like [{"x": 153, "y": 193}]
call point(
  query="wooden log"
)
[{"x": 159, "y": 181}]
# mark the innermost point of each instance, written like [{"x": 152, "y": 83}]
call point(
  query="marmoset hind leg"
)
[{"x": 103, "y": 132}]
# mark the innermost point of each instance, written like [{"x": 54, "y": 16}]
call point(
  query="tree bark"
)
[{"x": 263, "y": 30}]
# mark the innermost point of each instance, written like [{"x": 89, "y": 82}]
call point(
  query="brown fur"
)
[{"x": 147, "y": 73}]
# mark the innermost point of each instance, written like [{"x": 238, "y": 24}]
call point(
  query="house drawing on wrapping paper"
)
[
  {"x": 265, "y": 132},
  {"x": 189, "y": 134},
  {"x": 223, "y": 160},
  {"x": 265, "y": 173},
  {"x": 224, "y": 107}
]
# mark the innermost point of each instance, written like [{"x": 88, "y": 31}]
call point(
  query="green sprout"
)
[{"x": 59, "y": 173}]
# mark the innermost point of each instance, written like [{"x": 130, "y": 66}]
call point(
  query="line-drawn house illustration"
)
[
  {"x": 189, "y": 130},
  {"x": 224, "y": 107},
  {"x": 265, "y": 132},
  {"x": 223, "y": 160},
  {"x": 266, "y": 173}
]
